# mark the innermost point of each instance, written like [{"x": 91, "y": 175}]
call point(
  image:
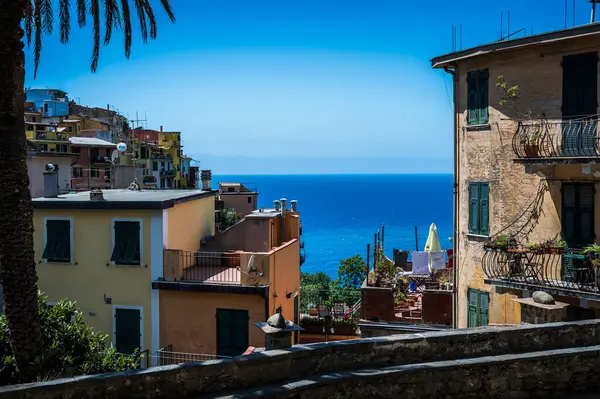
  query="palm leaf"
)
[
  {"x": 64, "y": 8},
  {"x": 167, "y": 6},
  {"x": 151, "y": 19},
  {"x": 47, "y": 16},
  {"x": 29, "y": 21},
  {"x": 126, "y": 26},
  {"x": 95, "y": 12},
  {"x": 37, "y": 21},
  {"x": 112, "y": 19},
  {"x": 81, "y": 13},
  {"x": 141, "y": 12}
]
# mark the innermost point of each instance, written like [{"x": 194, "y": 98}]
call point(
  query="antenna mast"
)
[{"x": 593, "y": 16}]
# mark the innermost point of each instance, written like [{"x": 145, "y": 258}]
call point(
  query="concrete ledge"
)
[{"x": 298, "y": 362}]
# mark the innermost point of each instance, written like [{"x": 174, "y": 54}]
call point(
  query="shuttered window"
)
[
  {"x": 126, "y": 250},
  {"x": 578, "y": 214},
  {"x": 58, "y": 241},
  {"x": 479, "y": 208},
  {"x": 478, "y": 308},
  {"x": 477, "y": 97}
]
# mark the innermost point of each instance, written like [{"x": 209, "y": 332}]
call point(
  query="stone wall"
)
[
  {"x": 377, "y": 303},
  {"x": 437, "y": 307},
  {"x": 302, "y": 361}
]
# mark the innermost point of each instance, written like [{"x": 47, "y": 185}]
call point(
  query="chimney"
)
[
  {"x": 96, "y": 195},
  {"x": 283, "y": 205},
  {"x": 294, "y": 205},
  {"x": 205, "y": 178},
  {"x": 108, "y": 107},
  {"x": 51, "y": 181},
  {"x": 276, "y": 205},
  {"x": 161, "y": 128}
]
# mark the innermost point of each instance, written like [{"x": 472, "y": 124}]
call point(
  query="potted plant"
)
[
  {"x": 345, "y": 326},
  {"x": 593, "y": 253},
  {"x": 501, "y": 242},
  {"x": 531, "y": 143},
  {"x": 312, "y": 324},
  {"x": 534, "y": 247},
  {"x": 554, "y": 246}
]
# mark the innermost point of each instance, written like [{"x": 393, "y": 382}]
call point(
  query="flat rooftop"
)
[
  {"x": 122, "y": 199},
  {"x": 263, "y": 214}
]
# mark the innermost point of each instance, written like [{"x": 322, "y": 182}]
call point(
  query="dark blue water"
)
[{"x": 340, "y": 213}]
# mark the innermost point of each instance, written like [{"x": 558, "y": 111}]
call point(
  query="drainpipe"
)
[
  {"x": 455, "y": 242},
  {"x": 283, "y": 209}
]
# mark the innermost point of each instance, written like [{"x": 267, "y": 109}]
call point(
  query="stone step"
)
[{"x": 545, "y": 374}]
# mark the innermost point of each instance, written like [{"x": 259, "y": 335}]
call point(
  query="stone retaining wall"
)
[{"x": 192, "y": 379}]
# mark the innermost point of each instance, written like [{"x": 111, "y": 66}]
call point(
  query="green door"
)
[
  {"x": 232, "y": 332},
  {"x": 478, "y": 308},
  {"x": 577, "y": 225},
  {"x": 128, "y": 334}
]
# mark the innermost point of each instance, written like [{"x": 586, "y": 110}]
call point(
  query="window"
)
[
  {"x": 232, "y": 332},
  {"x": 94, "y": 154},
  {"x": 107, "y": 173},
  {"x": 249, "y": 200},
  {"x": 70, "y": 129},
  {"x": 75, "y": 150},
  {"x": 230, "y": 189},
  {"x": 479, "y": 208},
  {"x": 61, "y": 148},
  {"x": 46, "y": 108},
  {"x": 34, "y": 119},
  {"x": 477, "y": 99},
  {"x": 30, "y": 127},
  {"x": 77, "y": 172},
  {"x": 155, "y": 166},
  {"x": 94, "y": 172},
  {"x": 57, "y": 241},
  {"x": 478, "y": 308},
  {"x": 43, "y": 147},
  {"x": 578, "y": 214},
  {"x": 126, "y": 243}
]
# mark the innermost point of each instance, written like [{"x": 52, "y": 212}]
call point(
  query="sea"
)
[{"x": 340, "y": 213}]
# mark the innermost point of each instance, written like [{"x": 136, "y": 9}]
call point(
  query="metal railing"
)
[
  {"x": 208, "y": 267},
  {"x": 569, "y": 271},
  {"x": 339, "y": 303},
  {"x": 557, "y": 138},
  {"x": 166, "y": 356}
]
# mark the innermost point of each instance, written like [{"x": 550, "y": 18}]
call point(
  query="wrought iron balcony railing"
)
[
  {"x": 569, "y": 272},
  {"x": 206, "y": 267},
  {"x": 559, "y": 139}
]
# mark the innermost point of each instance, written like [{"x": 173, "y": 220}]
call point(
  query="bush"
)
[{"x": 70, "y": 346}]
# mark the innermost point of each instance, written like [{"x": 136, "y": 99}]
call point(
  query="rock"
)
[{"x": 543, "y": 298}]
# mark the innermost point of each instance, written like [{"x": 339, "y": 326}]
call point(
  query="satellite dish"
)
[
  {"x": 114, "y": 156},
  {"x": 121, "y": 147}
]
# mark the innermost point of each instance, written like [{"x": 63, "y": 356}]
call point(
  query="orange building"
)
[{"x": 209, "y": 299}]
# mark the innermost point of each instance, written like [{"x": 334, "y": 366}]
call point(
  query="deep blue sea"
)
[{"x": 340, "y": 213}]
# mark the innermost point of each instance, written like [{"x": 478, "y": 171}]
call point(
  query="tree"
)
[
  {"x": 70, "y": 347},
  {"x": 17, "y": 264},
  {"x": 352, "y": 272},
  {"x": 318, "y": 281}
]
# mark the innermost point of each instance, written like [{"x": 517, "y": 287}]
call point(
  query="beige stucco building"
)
[{"x": 529, "y": 169}]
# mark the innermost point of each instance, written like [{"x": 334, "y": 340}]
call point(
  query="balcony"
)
[
  {"x": 47, "y": 135},
  {"x": 570, "y": 273},
  {"x": 204, "y": 267},
  {"x": 556, "y": 141},
  {"x": 167, "y": 173}
]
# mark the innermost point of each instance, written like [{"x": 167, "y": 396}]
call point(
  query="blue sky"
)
[{"x": 311, "y": 86}]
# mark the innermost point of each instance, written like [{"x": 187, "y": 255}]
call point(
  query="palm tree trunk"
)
[{"x": 17, "y": 263}]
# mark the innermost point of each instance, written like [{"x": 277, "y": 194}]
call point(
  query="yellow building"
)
[
  {"x": 48, "y": 137},
  {"x": 104, "y": 250},
  {"x": 170, "y": 142}
]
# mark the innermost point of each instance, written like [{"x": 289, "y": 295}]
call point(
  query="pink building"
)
[{"x": 93, "y": 166}]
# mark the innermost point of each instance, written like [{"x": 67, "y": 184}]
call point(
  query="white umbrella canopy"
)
[{"x": 433, "y": 241}]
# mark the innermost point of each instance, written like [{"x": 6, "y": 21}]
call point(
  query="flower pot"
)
[
  {"x": 532, "y": 150},
  {"x": 554, "y": 250}
]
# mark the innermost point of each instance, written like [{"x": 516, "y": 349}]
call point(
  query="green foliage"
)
[
  {"x": 555, "y": 242},
  {"x": 511, "y": 93},
  {"x": 593, "y": 249},
  {"x": 229, "y": 217},
  {"x": 318, "y": 280},
  {"x": 352, "y": 272},
  {"x": 312, "y": 321},
  {"x": 70, "y": 347},
  {"x": 501, "y": 241}
]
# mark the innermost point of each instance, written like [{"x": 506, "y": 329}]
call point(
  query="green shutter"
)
[
  {"x": 127, "y": 243},
  {"x": 474, "y": 208},
  {"x": 482, "y": 88},
  {"x": 484, "y": 303},
  {"x": 484, "y": 208},
  {"x": 232, "y": 332},
  {"x": 472, "y": 308},
  {"x": 472, "y": 99},
  {"x": 58, "y": 241},
  {"x": 127, "y": 330}
]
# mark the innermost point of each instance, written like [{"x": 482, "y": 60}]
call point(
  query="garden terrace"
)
[
  {"x": 341, "y": 305},
  {"x": 567, "y": 272}
]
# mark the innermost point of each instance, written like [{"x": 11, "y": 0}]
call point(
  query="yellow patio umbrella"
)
[{"x": 433, "y": 241}]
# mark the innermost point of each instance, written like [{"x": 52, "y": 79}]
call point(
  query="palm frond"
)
[
  {"x": 95, "y": 12},
  {"x": 47, "y": 16},
  {"x": 29, "y": 17},
  {"x": 37, "y": 21},
  {"x": 81, "y": 13},
  {"x": 167, "y": 6},
  {"x": 151, "y": 19},
  {"x": 126, "y": 26},
  {"x": 112, "y": 19},
  {"x": 141, "y": 12},
  {"x": 64, "y": 8}
]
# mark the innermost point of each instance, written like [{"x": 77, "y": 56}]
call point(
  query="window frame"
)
[
  {"x": 79, "y": 170},
  {"x": 71, "y": 240},
  {"x": 97, "y": 172},
  {"x": 113, "y": 221},
  {"x": 479, "y": 231},
  {"x": 479, "y": 121}
]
